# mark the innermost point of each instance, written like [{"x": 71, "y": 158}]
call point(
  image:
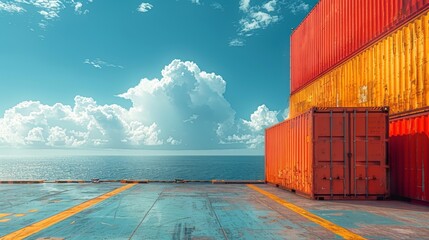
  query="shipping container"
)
[
  {"x": 409, "y": 156},
  {"x": 335, "y": 30},
  {"x": 332, "y": 153},
  {"x": 393, "y": 72}
]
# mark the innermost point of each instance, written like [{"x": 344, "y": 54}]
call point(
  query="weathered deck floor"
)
[{"x": 194, "y": 211}]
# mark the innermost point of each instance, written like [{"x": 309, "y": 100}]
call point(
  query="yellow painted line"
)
[
  {"x": 19, "y": 215},
  {"x": 4, "y": 220},
  {"x": 4, "y": 214},
  {"x": 346, "y": 234},
  {"x": 45, "y": 223},
  {"x": 32, "y": 210}
]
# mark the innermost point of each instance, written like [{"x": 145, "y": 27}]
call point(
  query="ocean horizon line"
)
[{"x": 16, "y": 152}]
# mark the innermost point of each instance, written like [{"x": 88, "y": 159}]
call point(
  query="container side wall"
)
[
  {"x": 288, "y": 156},
  {"x": 333, "y": 31},
  {"x": 409, "y": 157}
]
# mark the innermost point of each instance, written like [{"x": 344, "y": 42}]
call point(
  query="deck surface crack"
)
[
  {"x": 217, "y": 218},
  {"x": 147, "y": 213}
]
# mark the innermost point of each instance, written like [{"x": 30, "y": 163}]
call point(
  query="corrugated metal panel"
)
[
  {"x": 393, "y": 72},
  {"x": 409, "y": 157},
  {"x": 332, "y": 153},
  {"x": 335, "y": 30}
]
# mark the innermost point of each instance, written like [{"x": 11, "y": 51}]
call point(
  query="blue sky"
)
[{"x": 152, "y": 74}]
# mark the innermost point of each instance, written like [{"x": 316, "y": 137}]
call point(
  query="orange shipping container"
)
[
  {"x": 393, "y": 72},
  {"x": 409, "y": 156},
  {"x": 333, "y": 153}
]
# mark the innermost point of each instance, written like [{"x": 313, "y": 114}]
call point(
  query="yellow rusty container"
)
[{"x": 393, "y": 72}]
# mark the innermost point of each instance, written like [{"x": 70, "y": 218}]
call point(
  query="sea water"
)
[{"x": 133, "y": 167}]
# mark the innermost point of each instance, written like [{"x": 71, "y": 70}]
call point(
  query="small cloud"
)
[
  {"x": 217, "y": 6},
  {"x": 270, "y": 6},
  {"x": 257, "y": 20},
  {"x": 257, "y": 17},
  {"x": 196, "y": 2},
  {"x": 191, "y": 119},
  {"x": 299, "y": 6},
  {"x": 244, "y": 5},
  {"x": 43, "y": 24},
  {"x": 50, "y": 9},
  {"x": 78, "y": 6},
  {"x": 98, "y": 63},
  {"x": 49, "y": 14},
  {"x": 285, "y": 114},
  {"x": 173, "y": 141},
  {"x": 144, "y": 7},
  {"x": 11, "y": 7},
  {"x": 236, "y": 43}
]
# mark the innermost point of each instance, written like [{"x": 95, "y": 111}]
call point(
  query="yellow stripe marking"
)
[
  {"x": 32, "y": 210},
  {"x": 37, "y": 227},
  {"x": 19, "y": 215},
  {"x": 4, "y": 214},
  {"x": 4, "y": 220},
  {"x": 346, "y": 234}
]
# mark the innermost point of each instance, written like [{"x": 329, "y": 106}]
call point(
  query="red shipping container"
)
[
  {"x": 409, "y": 156},
  {"x": 331, "y": 153},
  {"x": 336, "y": 30}
]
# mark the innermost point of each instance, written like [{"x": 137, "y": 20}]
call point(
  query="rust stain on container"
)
[
  {"x": 393, "y": 72},
  {"x": 337, "y": 29},
  {"x": 333, "y": 153},
  {"x": 409, "y": 156}
]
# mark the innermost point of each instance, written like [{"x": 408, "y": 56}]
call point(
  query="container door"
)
[
  {"x": 331, "y": 160},
  {"x": 368, "y": 156}
]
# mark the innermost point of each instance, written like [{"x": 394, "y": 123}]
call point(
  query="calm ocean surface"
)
[{"x": 134, "y": 167}]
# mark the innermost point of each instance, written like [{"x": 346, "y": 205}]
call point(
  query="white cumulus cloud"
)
[
  {"x": 11, "y": 7},
  {"x": 84, "y": 124},
  {"x": 144, "y": 7},
  {"x": 183, "y": 109},
  {"x": 261, "y": 119},
  {"x": 251, "y": 132}
]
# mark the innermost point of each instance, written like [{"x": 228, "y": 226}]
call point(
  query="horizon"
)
[{"x": 5, "y": 153}]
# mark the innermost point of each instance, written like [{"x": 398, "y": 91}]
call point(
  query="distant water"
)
[{"x": 132, "y": 167}]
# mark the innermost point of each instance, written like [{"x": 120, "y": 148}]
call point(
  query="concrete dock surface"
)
[{"x": 196, "y": 211}]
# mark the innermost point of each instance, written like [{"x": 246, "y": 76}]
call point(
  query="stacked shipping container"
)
[
  {"x": 393, "y": 72},
  {"x": 337, "y": 29},
  {"x": 349, "y": 53}
]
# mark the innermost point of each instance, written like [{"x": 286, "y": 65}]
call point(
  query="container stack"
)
[{"x": 368, "y": 53}]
